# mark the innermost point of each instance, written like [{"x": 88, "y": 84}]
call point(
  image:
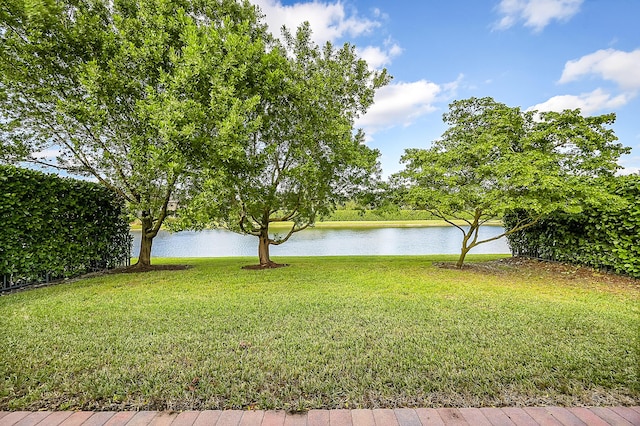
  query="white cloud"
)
[
  {"x": 591, "y": 102},
  {"x": 47, "y": 154},
  {"x": 536, "y": 14},
  {"x": 377, "y": 57},
  {"x": 623, "y": 68},
  {"x": 329, "y": 21},
  {"x": 379, "y": 14},
  {"x": 450, "y": 89},
  {"x": 629, "y": 171},
  {"x": 400, "y": 104}
]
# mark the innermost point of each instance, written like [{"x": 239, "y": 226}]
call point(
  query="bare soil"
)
[
  {"x": 149, "y": 268},
  {"x": 270, "y": 265}
]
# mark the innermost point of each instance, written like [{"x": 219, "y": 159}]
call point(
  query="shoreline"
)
[{"x": 365, "y": 224}]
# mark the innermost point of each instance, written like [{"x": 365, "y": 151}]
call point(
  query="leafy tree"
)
[
  {"x": 129, "y": 92},
  {"x": 304, "y": 157},
  {"x": 494, "y": 159}
]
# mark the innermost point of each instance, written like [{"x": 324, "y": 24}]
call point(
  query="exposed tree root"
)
[
  {"x": 148, "y": 268},
  {"x": 270, "y": 265}
]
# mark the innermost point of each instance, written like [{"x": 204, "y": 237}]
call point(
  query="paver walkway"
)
[{"x": 532, "y": 416}]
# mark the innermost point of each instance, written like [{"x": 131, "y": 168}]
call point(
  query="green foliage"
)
[
  {"x": 605, "y": 236},
  {"x": 494, "y": 159},
  {"x": 131, "y": 92},
  {"x": 304, "y": 155},
  {"x": 58, "y": 228}
]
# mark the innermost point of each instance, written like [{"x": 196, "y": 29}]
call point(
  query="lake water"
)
[{"x": 323, "y": 242}]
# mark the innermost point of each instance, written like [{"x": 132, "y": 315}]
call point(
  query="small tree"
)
[
  {"x": 305, "y": 156},
  {"x": 494, "y": 159},
  {"x": 130, "y": 92}
]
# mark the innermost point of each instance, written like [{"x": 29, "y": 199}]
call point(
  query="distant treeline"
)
[{"x": 352, "y": 212}]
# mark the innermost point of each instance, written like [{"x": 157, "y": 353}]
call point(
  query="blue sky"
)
[{"x": 540, "y": 54}]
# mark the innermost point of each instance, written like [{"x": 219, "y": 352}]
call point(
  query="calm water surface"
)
[{"x": 323, "y": 242}]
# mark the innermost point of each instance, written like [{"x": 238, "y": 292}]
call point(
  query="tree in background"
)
[
  {"x": 129, "y": 92},
  {"x": 305, "y": 155},
  {"x": 494, "y": 159}
]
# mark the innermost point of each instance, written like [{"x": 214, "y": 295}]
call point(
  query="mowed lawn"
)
[{"x": 327, "y": 332}]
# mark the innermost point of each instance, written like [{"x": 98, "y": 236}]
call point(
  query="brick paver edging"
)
[{"x": 533, "y": 416}]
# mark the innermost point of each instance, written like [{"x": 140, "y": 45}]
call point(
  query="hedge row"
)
[
  {"x": 605, "y": 238},
  {"x": 56, "y": 228}
]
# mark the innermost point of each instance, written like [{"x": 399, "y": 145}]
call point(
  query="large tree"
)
[
  {"x": 494, "y": 159},
  {"x": 129, "y": 92},
  {"x": 305, "y": 155}
]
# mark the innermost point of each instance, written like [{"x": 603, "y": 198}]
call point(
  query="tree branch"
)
[
  {"x": 243, "y": 217},
  {"x": 285, "y": 218},
  {"x": 522, "y": 224},
  {"x": 291, "y": 232},
  {"x": 112, "y": 160},
  {"x": 163, "y": 210},
  {"x": 442, "y": 216},
  {"x": 79, "y": 155}
]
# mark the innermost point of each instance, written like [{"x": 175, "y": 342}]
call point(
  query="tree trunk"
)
[
  {"x": 465, "y": 247},
  {"x": 463, "y": 254},
  {"x": 263, "y": 248},
  {"x": 144, "y": 257}
]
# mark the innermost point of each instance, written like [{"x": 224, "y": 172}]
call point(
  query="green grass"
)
[{"x": 323, "y": 333}]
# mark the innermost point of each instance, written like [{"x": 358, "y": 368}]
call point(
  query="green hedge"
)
[
  {"x": 605, "y": 238},
  {"x": 56, "y": 228}
]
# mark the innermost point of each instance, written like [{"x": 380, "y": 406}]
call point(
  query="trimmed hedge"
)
[
  {"x": 55, "y": 228},
  {"x": 605, "y": 238}
]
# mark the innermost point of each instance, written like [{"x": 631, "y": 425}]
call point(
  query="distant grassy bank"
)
[
  {"x": 325, "y": 332},
  {"x": 382, "y": 224},
  {"x": 363, "y": 224}
]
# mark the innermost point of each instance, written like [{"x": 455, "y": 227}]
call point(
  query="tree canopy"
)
[
  {"x": 129, "y": 92},
  {"x": 305, "y": 155},
  {"x": 494, "y": 159}
]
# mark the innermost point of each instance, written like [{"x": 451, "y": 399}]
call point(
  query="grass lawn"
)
[{"x": 323, "y": 333}]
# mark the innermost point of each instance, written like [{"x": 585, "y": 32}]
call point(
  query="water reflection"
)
[{"x": 323, "y": 242}]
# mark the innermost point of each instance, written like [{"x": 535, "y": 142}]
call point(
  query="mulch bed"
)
[
  {"x": 150, "y": 268},
  {"x": 124, "y": 270},
  {"x": 271, "y": 265},
  {"x": 560, "y": 271}
]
